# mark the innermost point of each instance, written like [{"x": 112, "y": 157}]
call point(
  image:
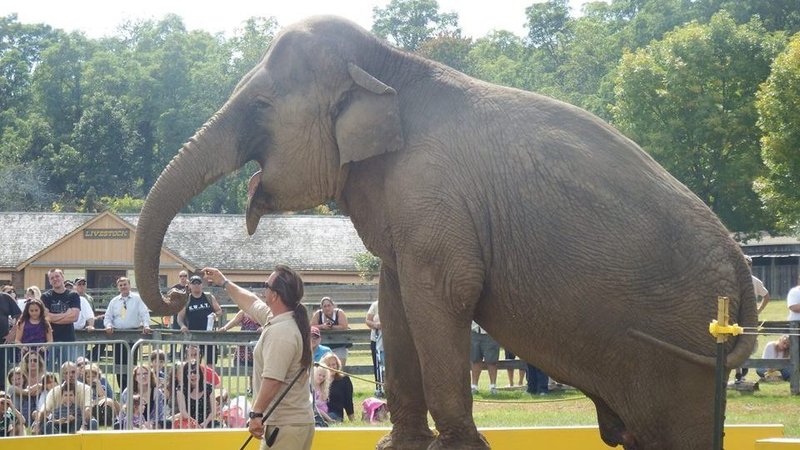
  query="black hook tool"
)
[{"x": 274, "y": 434}]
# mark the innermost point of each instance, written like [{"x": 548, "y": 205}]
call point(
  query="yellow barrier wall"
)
[
  {"x": 778, "y": 444},
  {"x": 737, "y": 437}
]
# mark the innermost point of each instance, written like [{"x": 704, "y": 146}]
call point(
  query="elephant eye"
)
[{"x": 262, "y": 103}]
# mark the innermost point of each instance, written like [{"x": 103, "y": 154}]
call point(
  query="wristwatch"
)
[{"x": 254, "y": 415}]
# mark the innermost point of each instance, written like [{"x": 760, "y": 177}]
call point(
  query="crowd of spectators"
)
[{"x": 53, "y": 384}]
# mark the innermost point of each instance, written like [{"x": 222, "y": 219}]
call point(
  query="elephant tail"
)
[
  {"x": 740, "y": 352},
  {"x": 746, "y": 316}
]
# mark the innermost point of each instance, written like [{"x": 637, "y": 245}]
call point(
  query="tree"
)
[
  {"x": 451, "y": 50},
  {"x": 177, "y": 80},
  {"x": 24, "y": 188},
  {"x": 586, "y": 74},
  {"x": 90, "y": 202},
  {"x": 648, "y": 20},
  {"x": 20, "y": 52},
  {"x": 124, "y": 204},
  {"x": 58, "y": 83},
  {"x": 249, "y": 44},
  {"x": 689, "y": 100},
  {"x": 409, "y": 23},
  {"x": 499, "y": 58},
  {"x": 548, "y": 28},
  {"x": 776, "y": 15},
  {"x": 107, "y": 142},
  {"x": 368, "y": 265},
  {"x": 779, "y": 108}
]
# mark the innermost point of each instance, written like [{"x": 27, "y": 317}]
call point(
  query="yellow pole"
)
[{"x": 719, "y": 393}]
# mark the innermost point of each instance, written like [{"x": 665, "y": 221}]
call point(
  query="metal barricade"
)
[
  {"x": 63, "y": 387},
  {"x": 200, "y": 384}
]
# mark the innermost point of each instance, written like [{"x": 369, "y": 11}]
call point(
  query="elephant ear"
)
[{"x": 369, "y": 123}]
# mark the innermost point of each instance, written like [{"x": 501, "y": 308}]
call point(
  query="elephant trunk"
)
[{"x": 200, "y": 162}]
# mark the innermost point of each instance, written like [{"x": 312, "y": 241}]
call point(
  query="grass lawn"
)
[{"x": 773, "y": 403}]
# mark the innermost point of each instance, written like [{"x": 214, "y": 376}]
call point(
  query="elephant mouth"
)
[{"x": 258, "y": 202}]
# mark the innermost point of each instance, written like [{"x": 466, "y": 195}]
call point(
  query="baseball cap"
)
[
  {"x": 195, "y": 279},
  {"x": 315, "y": 331},
  {"x": 68, "y": 283}
]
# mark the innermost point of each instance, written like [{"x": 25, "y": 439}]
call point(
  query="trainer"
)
[{"x": 283, "y": 349}]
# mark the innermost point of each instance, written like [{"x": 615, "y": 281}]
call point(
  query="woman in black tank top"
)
[{"x": 329, "y": 317}]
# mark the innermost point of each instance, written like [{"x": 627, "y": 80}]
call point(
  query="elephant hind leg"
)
[{"x": 612, "y": 429}]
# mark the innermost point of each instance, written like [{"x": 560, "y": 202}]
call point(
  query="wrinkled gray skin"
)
[{"x": 558, "y": 235}]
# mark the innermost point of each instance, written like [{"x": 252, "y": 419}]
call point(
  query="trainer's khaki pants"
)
[{"x": 290, "y": 437}]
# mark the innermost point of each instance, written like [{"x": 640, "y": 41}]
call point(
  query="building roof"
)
[
  {"x": 765, "y": 239},
  {"x": 303, "y": 242},
  {"x": 24, "y": 234},
  {"x": 317, "y": 243}
]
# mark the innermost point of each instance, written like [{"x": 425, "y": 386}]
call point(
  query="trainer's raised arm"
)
[{"x": 243, "y": 298}]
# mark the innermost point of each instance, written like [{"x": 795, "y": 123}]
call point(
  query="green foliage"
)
[
  {"x": 689, "y": 100},
  {"x": 499, "y": 58},
  {"x": 779, "y": 108},
  {"x": 108, "y": 144},
  {"x": 22, "y": 187},
  {"x": 108, "y": 115},
  {"x": 20, "y": 52},
  {"x": 326, "y": 209},
  {"x": 124, "y": 204},
  {"x": 58, "y": 85},
  {"x": 249, "y": 44},
  {"x": 548, "y": 28},
  {"x": 452, "y": 50},
  {"x": 776, "y": 15},
  {"x": 119, "y": 205},
  {"x": 409, "y": 23},
  {"x": 368, "y": 265},
  {"x": 101, "y": 118},
  {"x": 586, "y": 75}
]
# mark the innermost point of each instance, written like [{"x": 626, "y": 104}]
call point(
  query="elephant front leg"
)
[
  {"x": 441, "y": 334},
  {"x": 404, "y": 390}
]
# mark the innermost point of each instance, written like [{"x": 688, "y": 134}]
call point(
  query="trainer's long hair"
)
[{"x": 289, "y": 287}]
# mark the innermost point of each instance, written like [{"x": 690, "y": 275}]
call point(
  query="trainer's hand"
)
[
  {"x": 256, "y": 428},
  {"x": 213, "y": 276}
]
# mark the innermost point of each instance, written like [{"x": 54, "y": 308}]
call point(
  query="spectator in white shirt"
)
[
  {"x": 126, "y": 311},
  {"x": 86, "y": 317},
  {"x": 793, "y": 302},
  {"x": 762, "y": 294},
  {"x": 776, "y": 350},
  {"x": 762, "y": 298}
]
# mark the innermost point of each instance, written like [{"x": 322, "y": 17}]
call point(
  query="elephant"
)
[{"x": 558, "y": 235}]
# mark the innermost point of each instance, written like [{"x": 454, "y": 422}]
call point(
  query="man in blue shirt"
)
[{"x": 318, "y": 349}]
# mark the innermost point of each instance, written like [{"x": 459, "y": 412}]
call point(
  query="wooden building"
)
[
  {"x": 775, "y": 262},
  {"x": 99, "y": 247}
]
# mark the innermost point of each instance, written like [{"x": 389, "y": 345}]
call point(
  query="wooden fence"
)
[
  {"x": 359, "y": 337},
  {"x": 793, "y": 362}
]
